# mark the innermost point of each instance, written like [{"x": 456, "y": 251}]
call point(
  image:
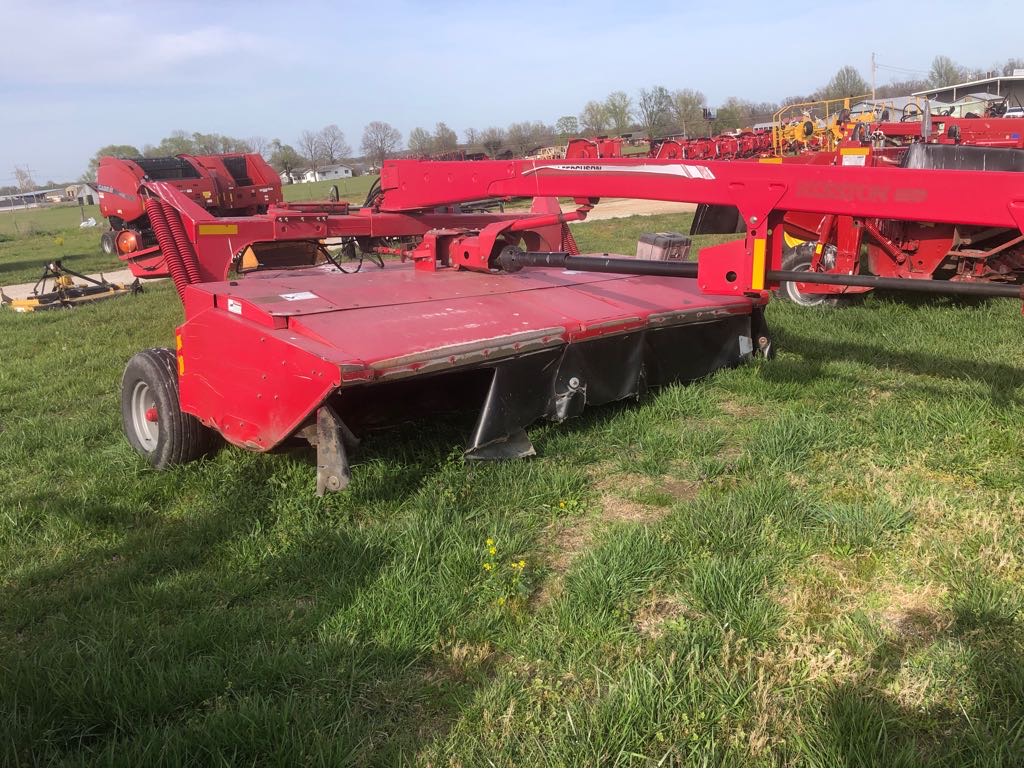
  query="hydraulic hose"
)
[
  {"x": 169, "y": 249},
  {"x": 185, "y": 247}
]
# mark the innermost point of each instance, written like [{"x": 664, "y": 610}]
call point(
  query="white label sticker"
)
[
  {"x": 299, "y": 296},
  {"x": 234, "y": 306},
  {"x": 854, "y": 160},
  {"x": 746, "y": 345}
]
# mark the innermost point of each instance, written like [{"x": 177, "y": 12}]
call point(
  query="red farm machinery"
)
[
  {"x": 224, "y": 185},
  {"x": 491, "y": 311},
  {"x": 895, "y": 247}
]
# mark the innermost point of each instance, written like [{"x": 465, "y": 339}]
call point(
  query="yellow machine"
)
[
  {"x": 820, "y": 125},
  {"x": 65, "y": 292}
]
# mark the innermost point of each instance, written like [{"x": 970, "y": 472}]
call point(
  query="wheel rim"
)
[
  {"x": 807, "y": 300},
  {"x": 143, "y": 407},
  {"x": 795, "y": 295}
]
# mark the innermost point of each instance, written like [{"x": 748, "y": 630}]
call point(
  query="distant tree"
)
[
  {"x": 445, "y": 139},
  {"x": 421, "y": 143},
  {"x": 207, "y": 144},
  {"x": 260, "y": 145},
  {"x": 732, "y": 114},
  {"x": 492, "y": 140},
  {"x": 284, "y": 157},
  {"x": 177, "y": 143},
  {"x": 796, "y": 99},
  {"x": 594, "y": 119},
  {"x": 214, "y": 144},
  {"x": 543, "y": 133},
  {"x": 111, "y": 150},
  {"x": 846, "y": 82},
  {"x": 688, "y": 111},
  {"x": 1011, "y": 65},
  {"x": 380, "y": 139},
  {"x": 332, "y": 144},
  {"x": 522, "y": 137},
  {"x": 761, "y": 111},
  {"x": 182, "y": 143},
  {"x": 471, "y": 136},
  {"x": 619, "y": 108},
  {"x": 311, "y": 149},
  {"x": 23, "y": 178},
  {"x": 900, "y": 88},
  {"x": 567, "y": 126},
  {"x": 654, "y": 108},
  {"x": 944, "y": 71}
]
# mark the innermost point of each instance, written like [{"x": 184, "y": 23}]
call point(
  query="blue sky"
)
[{"x": 75, "y": 76}]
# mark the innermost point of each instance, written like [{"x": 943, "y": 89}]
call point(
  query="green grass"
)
[
  {"x": 22, "y": 258},
  {"x": 810, "y": 560},
  {"x": 353, "y": 190},
  {"x": 46, "y": 219}
]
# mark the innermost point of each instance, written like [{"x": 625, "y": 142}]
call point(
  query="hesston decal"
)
[{"x": 849, "y": 192}]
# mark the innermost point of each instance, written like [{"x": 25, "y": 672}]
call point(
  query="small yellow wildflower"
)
[
  {"x": 522, "y": 564},
  {"x": 490, "y": 542},
  {"x": 488, "y": 566},
  {"x": 562, "y": 504},
  {"x": 501, "y": 601},
  {"x": 492, "y": 550}
]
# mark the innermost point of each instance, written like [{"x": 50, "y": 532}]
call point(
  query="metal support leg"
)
[
  {"x": 332, "y": 435},
  {"x": 759, "y": 331}
]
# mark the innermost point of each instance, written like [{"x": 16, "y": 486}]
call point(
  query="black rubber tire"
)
[
  {"x": 180, "y": 437},
  {"x": 107, "y": 242},
  {"x": 799, "y": 259}
]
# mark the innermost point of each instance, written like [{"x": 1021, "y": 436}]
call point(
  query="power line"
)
[{"x": 907, "y": 70}]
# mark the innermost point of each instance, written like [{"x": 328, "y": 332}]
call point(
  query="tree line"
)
[{"x": 652, "y": 112}]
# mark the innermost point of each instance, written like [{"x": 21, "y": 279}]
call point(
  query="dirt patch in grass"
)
[
  {"x": 616, "y": 509},
  {"x": 681, "y": 490},
  {"x": 614, "y": 490},
  {"x": 573, "y": 536},
  {"x": 828, "y": 587},
  {"x": 569, "y": 542},
  {"x": 651, "y": 618},
  {"x": 745, "y": 411},
  {"x": 914, "y": 615}
]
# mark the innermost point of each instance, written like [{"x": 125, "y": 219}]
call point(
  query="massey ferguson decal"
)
[{"x": 685, "y": 170}]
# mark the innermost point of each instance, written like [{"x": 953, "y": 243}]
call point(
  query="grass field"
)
[
  {"x": 812, "y": 560},
  {"x": 353, "y": 190}
]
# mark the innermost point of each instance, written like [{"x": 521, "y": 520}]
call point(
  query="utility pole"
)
[{"x": 872, "y": 76}]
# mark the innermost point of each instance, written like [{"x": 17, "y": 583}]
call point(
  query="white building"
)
[
  {"x": 304, "y": 175},
  {"x": 337, "y": 171},
  {"x": 83, "y": 193},
  {"x": 973, "y": 104},
  {"x": 1011, "y": 86}
]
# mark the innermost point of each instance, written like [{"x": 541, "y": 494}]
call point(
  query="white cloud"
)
[{"x": 61, "y": 45}]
